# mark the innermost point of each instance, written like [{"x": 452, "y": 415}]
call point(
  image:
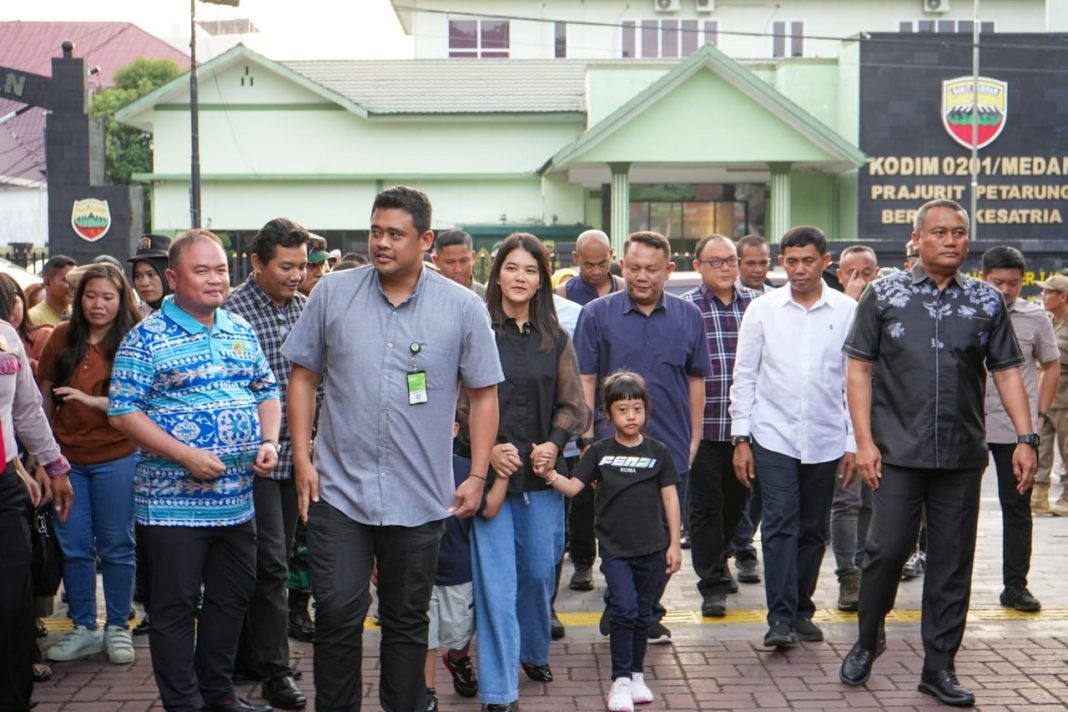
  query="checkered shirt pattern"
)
[
  {"x": 721, "y": 333},
  {"x": 272, "y": 326}
]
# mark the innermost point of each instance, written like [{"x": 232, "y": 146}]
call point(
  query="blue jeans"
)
[
  {"x": 634, "y": 585},
  {"x": 797, "y": 504},
  {"x": 513, "y": 564},
  {"x": 102, "y": 513}
]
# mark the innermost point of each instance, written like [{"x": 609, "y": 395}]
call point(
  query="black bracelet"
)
[
  {"x": 272, "y": 443},
  {"x": 477, "y": 477}
]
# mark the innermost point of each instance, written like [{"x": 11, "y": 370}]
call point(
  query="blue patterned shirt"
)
[
  {"x": 201, "y": 386},
  {"x": 721, "y": 333}
]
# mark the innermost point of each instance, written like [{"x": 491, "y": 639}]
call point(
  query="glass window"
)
[
  {"x": 778, "y": 40},
  {"x": 689, "y": 37},
  {"x": 650, "y": 38},
  {"x": 947, "y": 26},
  {"x": 478, "y": 38},
  {"x": 965, "y": 26},
  {"x": 639, "y": 216},
  {"x": 797, "y": 38},
  {"x": 669, "y": 38},
  {"x": 711, "y": 32},
  {"x": 666, "y": 218},
  {"x": 628, "y": 40},
  {"x": 986, "y": 27},
  {"x": 904, "y": 26},
  {"x": 925, "y": 26},
  {"x": 560, "y": 37},
  {"x": 698, "y": 220}
]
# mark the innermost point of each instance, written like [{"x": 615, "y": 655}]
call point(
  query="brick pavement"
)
[{"x": 1011, "y": 661}]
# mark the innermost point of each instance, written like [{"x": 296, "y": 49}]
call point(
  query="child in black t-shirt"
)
[{"x": 637, "y": 526}]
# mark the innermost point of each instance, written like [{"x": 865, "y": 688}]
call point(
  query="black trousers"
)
[
  {"x": 18, "y": 643},
  {"x": 582, "y": 544},
  {"x": 341, "y": 553},
  {"x": 952, "y": 501},
  {"x": 193, "y": 653},
  {"x": 716, "y": 501},
  {"x": 1015, "y": 520},
  {"x": 264, "y": 644}
]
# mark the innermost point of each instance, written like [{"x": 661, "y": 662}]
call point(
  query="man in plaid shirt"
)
[
  {"x": 269, "y": 300},
  {"x": 716, "y": 498}
]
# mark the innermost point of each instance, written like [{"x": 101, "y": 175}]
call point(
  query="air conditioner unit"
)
[
  {"x": 667, "y": 5},
  {"x": 936, "y": 6},
  {"x": 706, "y": 5}
]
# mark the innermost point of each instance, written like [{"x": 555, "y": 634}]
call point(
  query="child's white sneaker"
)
[
  {"x": 639, "y": 691},
  {"x": 619, "y": 699}
]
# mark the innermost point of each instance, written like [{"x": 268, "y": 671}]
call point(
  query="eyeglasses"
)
[{"x": 717, "y": 262}]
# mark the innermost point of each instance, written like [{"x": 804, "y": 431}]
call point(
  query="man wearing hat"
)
[
  {"x": 317, "y": 263},
  {"x": 1053, "y": 425},
  {"x": 147, "y": 267}
]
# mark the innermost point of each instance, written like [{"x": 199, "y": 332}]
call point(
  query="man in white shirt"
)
[{"x": 790, "y": 426}]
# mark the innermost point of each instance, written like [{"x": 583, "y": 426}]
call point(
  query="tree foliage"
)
[{"x": 128, "y": 150}]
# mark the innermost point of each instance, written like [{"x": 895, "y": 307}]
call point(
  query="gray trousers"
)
[{"x": 850, "y": 516}]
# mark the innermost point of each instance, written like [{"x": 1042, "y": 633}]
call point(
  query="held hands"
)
[
  {"x": 1024, "y": 465},
  {"x": 307, "y": 480},
  {"x": 266, "y": 459},
  {"x": 543, "y": 457},
  {"x": 869, "y": 464},
  {"x": 504, "y": 458},
  {"x": 743, "y": 464}
]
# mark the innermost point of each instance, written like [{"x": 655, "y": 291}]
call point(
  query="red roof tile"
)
[{"x": 30, "y": 46}]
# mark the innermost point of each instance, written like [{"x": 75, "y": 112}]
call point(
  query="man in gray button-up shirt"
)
[{"x": 392, "y": 345}]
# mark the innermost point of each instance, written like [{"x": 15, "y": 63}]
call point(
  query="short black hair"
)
[
  {"x": 804, "y": 235},
  {"x": 280, "y": 232},
  {"x": 1003, "y": 257},
  {"x": 55, "y": 264},
  {"x": 651, "y": 239},
  {"x": 452, "y": 238},
  {"x": 709, "y": 238},
  {"x": 412, "y": 201},
  {"x": 751, "y": 240},
  {"x": 624, "y": 385}
]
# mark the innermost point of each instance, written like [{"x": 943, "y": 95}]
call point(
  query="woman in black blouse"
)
[{"x": 514, "y": 553}]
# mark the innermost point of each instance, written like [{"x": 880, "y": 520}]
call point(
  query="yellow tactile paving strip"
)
[{"x": 826, "y": 615}]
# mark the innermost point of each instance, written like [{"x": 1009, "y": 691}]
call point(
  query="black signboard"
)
[{"x": 916, "y": 104}]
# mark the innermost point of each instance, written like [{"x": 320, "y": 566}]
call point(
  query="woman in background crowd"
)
[
  {"x": 14, "y": 309},
  {"x": 75, "y": 374}
]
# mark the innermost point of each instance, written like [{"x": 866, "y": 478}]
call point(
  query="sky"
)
[{"x": 289, "y": 29}]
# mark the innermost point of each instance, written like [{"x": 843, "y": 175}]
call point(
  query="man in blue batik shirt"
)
[{"x": 191, "y": 386}]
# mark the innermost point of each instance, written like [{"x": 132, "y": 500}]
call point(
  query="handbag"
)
[{"x": 47, "y": 563}]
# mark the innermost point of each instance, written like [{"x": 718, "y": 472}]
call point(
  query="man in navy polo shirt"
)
[
  {"x": 657, "y": 335},
  {"x": 593, "y": 257}
]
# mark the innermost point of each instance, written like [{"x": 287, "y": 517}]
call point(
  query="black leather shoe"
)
[
  {"x": 538, "y": 673},
  {"x": 807, "y": 631},
  {"x": 556, "y": 627},
  {"x": 714, "y": 605},
  {"x": 748, "y": 572},
  {"x": 283, "y": 692},
  {"x": 780, "y": 635},
  {"x": 236, "y": 704},
  {"x": 143, "y": 627},
  {"x": 301, "y": 627},
  {"x": 856, "y": 667},
  {"x": 943, "y": 685},
  {"x": 1020, "y": 599},
  {"x": 510, "y": 707},
  {"x": 582, "y": 579}
]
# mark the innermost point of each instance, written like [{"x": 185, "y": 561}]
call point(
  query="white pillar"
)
[
  {"x": 620, "y": 213},
  {"x": 778, "y": 221}
]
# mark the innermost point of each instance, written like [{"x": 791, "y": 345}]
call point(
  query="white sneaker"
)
[
  {"x": 639, "y": 691},
  {"x": 619, "y": 699},
  {"x": 119, "y": 645},
  {"x": 78, "y": 643}
]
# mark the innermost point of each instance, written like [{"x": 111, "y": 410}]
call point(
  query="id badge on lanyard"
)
[{"x": 416, "y": 379}]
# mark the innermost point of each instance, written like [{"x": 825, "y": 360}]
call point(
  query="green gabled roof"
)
[
  {"x": 180, "y": 85},
  {"x": 737, "y": 76}
]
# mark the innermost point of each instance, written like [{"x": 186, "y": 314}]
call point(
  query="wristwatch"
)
[
  {"x": 1029, "y": 439},
  {"x": 584, "y": 442},
  {"x": 739, "y": 439}
]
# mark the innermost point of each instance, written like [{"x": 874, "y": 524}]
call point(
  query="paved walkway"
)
[{"x": 1011, "y": 661}]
